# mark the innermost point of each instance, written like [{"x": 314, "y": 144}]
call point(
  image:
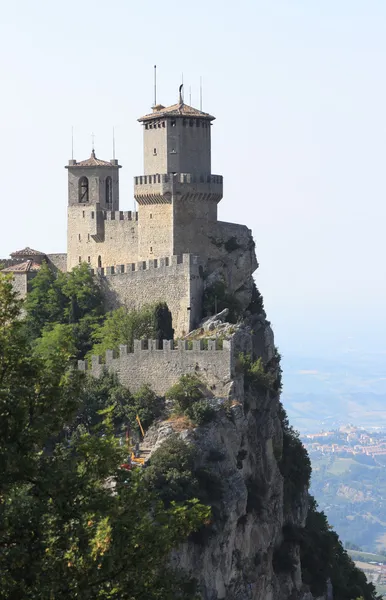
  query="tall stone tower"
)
[
  {"x": 93, "y": 187},
  {"x": 177, "y": 196}
]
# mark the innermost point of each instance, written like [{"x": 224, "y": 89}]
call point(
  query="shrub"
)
[
  {"x": 200, "y": 412},
  {"x": 256, "y": 306},
  {"x": 186, "y": 391},
  {"x": 216, "y": 298},
  {"x": 295, "y": 464},
  {"x": 255, "y": 374}
]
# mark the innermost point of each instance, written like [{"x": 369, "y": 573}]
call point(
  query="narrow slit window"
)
[
  {"x": 83, "y": 189},
  {"x": 109, "y": 190}
]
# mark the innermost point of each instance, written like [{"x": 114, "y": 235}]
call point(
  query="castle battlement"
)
[
  {"x": 160, "y": 189},
  {"x": 161, "y": 368},
  {"x": 178, "y": 178},
  {"x": 120, "y": 215},
  {"x": 146, "y": 265}
]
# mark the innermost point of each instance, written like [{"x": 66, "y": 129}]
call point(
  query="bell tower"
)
[
  {"x": 93, "y": 181},
  {"x": 93, "y": 193},
  {"x": 177, "y": 195}
]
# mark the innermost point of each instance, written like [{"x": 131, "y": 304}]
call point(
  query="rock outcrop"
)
[{"x": 234, "y": 558}]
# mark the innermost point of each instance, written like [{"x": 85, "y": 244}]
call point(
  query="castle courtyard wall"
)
[
  {"x": 160, "y": 369},
  {"x": 93, "y": 234},
  {"x": 176, "y": 280}
]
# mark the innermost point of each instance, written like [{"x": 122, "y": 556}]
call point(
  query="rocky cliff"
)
[{"x": 237, "y": 557}]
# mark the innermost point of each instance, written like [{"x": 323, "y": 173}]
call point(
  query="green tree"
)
[
  {"x": 83, "y": 294},
  {"x": 122, "y": 326},
  {"x": 45, "y": 303},
  {"x": 63, "y": 532}
]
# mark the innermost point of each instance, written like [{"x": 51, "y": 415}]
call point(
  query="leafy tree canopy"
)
[{"x": 64, "y": 533}]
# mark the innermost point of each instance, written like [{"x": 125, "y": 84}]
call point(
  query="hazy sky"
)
[{"x": 298, "y": 89}]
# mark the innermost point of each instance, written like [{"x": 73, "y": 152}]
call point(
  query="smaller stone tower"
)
[{"x": 93, "y": 191}]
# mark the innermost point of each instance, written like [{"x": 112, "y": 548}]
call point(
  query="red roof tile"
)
[{"x": 24, "y": 267}]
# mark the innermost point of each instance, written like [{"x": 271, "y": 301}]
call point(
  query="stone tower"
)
[
  {"x": 177, "y": 196},
  {"x": 93, "y": 187}
]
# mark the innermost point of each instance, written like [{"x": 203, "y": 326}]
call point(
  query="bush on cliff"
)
[
  {"x": 63, "y": 533},
  {"x": 173, "y": 475},
  {"x": 294, "y": 462},
  {"x": 216, "y": 298},
  {"x": 188, "y": 398},
  {"x": 323, "y": 557},
  {"x": 255, "y": 373}
]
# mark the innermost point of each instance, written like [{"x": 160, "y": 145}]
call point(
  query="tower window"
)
[
  {"x": 191, "y": 123},
  {"x": 88, "y": 259},
  {"x": 155, "y": 151},
  {"x": 80, "y": 259},
  {"x": 88, "y": 237},
  {"x": 151, "y": 248},
  {"x": 92, "y": 215},
  {"x": 146, "y": 126},
  {"x": 163, "y": 123},
  {"x": 184, "y": 122},
  {"x": 83, "y": 189},
  {"x": 99, "y": 262},
  {"x": 151, "y": 216},
  {"x": 173, "y": 123},
  {"x": 109, "y": 190},
  {"x": 84, "y": 214},
  {"x": 197, "y": 122},
  {"x": 79, "y": 236}
]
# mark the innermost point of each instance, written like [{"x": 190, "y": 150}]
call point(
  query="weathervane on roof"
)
[
  {"x": 180, "y": 97},
  {"x": 93, "y": 143}
]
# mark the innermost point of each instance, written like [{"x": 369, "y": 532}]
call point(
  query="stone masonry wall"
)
[
  {"x": 161, "y": 369},
  {"x": 59, "y": 261},
  {"x": 93, "y": 233},
  {"x": 176, "y": 280}
]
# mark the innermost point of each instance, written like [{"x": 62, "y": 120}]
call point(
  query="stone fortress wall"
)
[
  {"x": 161, "y": 368},
  {"x": 101, "y": 237},
  {"x": 176, "y": 280}
]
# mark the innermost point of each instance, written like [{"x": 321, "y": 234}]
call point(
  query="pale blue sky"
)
[{"x": 298, "y": 89}]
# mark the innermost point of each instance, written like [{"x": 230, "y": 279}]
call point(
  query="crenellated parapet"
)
[
  {"x": 148, "y": 265},
  {"x": 162, "y": 188},
  {"x": 160, "y": 367},
  {"x": 120, "y": 215}
]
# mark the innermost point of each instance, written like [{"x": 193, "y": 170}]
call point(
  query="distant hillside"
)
[{"x": 331, "y": 391}]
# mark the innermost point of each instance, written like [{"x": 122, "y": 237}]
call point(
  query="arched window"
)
[
  {"x": 99, "y": 262},
  {"x": 83, "y": 189},
  {"x": 109, "y": 190}
]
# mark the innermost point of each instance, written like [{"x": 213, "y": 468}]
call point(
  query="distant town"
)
[{"x": 348, "y": 441}]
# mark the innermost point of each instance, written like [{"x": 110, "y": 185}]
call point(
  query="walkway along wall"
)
[
  {"x": 161, "y": 369},
  {"x": 176, "y": 280}
]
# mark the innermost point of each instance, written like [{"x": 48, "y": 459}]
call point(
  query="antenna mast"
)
[{"x": 155, "y": 85}]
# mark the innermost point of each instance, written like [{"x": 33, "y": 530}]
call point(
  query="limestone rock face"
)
[
  {"x": 234, "y": 263},
  {"x": 233, "y": 558}
]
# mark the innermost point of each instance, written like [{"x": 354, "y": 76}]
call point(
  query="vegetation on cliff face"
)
[{"x": 63, "y": 533}]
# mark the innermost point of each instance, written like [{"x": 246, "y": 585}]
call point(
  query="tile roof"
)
[
  {"x": 176, "y": 110},
  {"x": 93, "y": 161},
  {"x": 27, "y": 252},
  {"x": 24, "y": 267}
]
